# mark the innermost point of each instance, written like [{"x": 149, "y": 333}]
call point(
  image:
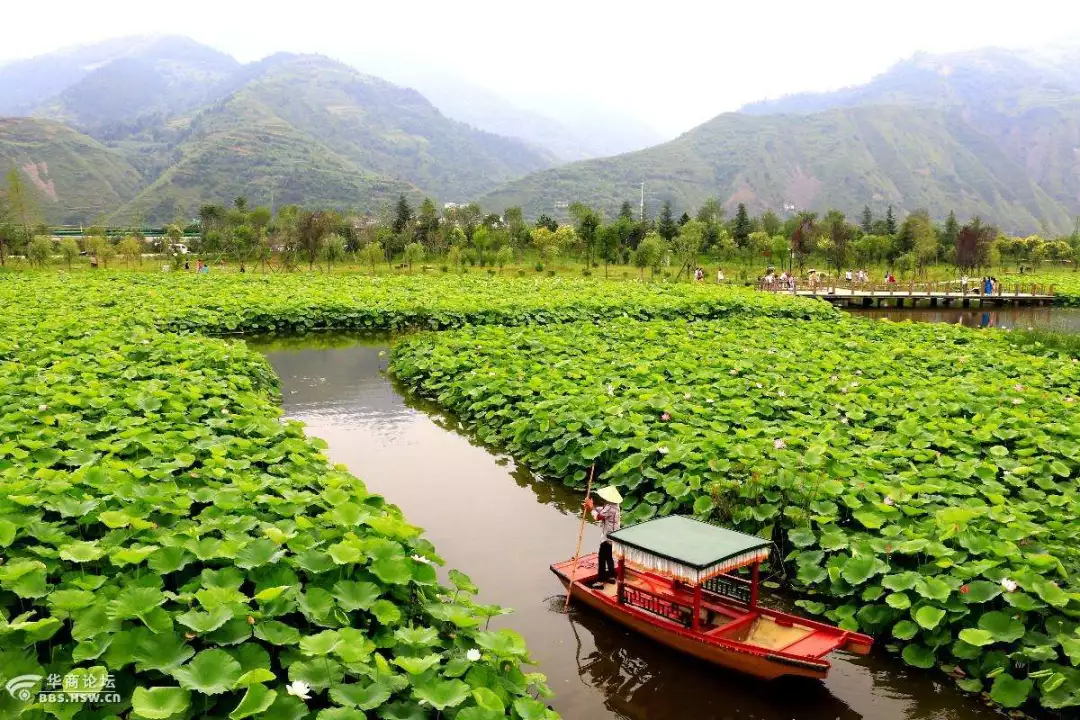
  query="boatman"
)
[{"x": 608, "y": 517}]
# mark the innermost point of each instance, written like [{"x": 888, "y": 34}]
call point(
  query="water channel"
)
[{"x": 496, "y": 522}]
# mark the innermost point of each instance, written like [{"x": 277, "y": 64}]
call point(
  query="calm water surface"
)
[
  {"x": 1061, "y": 319},
  {"x": 500, "y": 525}
]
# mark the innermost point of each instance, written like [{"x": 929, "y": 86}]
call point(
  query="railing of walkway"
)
[{"x": 909, "y": 289}]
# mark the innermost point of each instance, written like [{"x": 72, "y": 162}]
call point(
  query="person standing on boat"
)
[{"x": 608, "y": 517}]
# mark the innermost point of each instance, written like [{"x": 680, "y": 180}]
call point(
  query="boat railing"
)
[
  {"x": 730, "y": 587},
  {"x": 657, "y": 604}
]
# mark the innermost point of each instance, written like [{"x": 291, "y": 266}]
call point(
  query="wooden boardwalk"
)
[{"x": 914, "y": 294}]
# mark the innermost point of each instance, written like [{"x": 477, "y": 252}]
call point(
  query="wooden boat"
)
[{"x": 674, "y": 585}]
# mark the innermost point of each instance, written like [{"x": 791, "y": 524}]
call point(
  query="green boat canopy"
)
[{"x": 687, "y": 549}]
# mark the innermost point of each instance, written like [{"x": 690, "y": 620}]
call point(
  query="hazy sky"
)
[{"x": 672, "y": 64}]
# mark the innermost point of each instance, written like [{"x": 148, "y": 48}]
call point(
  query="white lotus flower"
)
[
  {"x": 1017, "y": 401},
  {"x": 1070, "y": 399},
  {"x": 854, "y": 384},
  {"x": 710, "y": 401},
  {"x": 1009, "y": 585},
  {"x": 889, "y": 501},
  {"x": 42, "y": 408},
  {"x": 300, "y": 689},
  {"x": 779, "y": 443},
  {"x": 1018, "y": 387},
  {"x": 610, "y": 389},
  {"x": 781, "y": 393},
  {"x": 845, "y": 420},
  {"x": 858, "y": 372},
  {"x": 686, "y": 396},
  {"x": 759, "y": 385},
  {"x": 662, "y": 450},
  {"x": 734, "y": 371},
  {"x": 421, "y": 559},
  {"x": 473, "y": 655}
]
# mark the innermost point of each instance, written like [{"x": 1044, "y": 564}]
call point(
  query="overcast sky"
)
[{"x": 673, "y": 64}]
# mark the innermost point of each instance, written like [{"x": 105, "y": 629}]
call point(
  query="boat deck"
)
[{"x": 721, "y": 618}]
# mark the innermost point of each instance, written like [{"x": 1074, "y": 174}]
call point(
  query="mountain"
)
[
  {"x": 74, "y": 178},
  {"x": 1027, "y": 102},
  {"x": 311, "y": 130},
  {"x": 847, "y": 158},
  {"x": 188, "y": 125},
  {"x": 989, "y": 132},
  {"x": 117, "y": 82}
]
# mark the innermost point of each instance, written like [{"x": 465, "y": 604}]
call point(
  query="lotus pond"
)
[
  {"x": 918, "y": 479},
  {"x": 503, "y": 525}
]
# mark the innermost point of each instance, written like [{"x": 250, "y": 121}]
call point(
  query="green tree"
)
[
  {"x": 609, "y": 240},
  {"x": 313, "y": 228},
  {"x": 22, "y": 204},
  {"x": 650, "y": 253},
  {"x": 39, "y": 251},
  {"x": 949, "y": 233},
  {"x": 666, "y": 225},
  {"x": 973, "y": 244},
  {"x": 371, "y": 254},
  {"x": 209, "y": 216},
  {"x": 69, "y": 250},
  {"x": 867, "y": 221},
  {"x": 543, "y": 239},
  {"x": 333, "y": 250},
  {"x": 483, "y": 240},
  {"x": 626, "y": 211},
  {"x": 516, "y": 226},
  {"x": 770, "y": 223},
  {"x": 687, "y": 245},
  {"x": 456, "y": 257},
  {"x": 588, "y": 225},
  {"x": 504, "y": 256},
  {"x": 131, "y": 249},
  {"x": 890, "y": 221},
  {"x": 838, "y": 232},
  {"x": 403, "y": 215},
  {"x": 414, "y": 253},
  {"x": 741, "y": 227},
  {"x": 546, "y": 222}
]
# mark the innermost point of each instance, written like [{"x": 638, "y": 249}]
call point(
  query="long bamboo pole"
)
[{"x": 580, "y": 535}]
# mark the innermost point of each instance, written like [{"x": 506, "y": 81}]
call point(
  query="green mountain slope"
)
[
  {"x": 1027, "y": 102},
  {"x": 910, "y": 158},
  {"x": 314, "y": 131},
  {"x": 74, "y": 178},
  {"x": 244, "y": 148}
]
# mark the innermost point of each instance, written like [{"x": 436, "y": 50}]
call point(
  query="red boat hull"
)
[{"x": 715, "y": 643}]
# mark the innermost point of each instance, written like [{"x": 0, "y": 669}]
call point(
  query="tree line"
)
[{"x": 461, "y": 235}]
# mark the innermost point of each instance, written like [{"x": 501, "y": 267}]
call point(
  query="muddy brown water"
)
[{"x": 502, "y": 526}]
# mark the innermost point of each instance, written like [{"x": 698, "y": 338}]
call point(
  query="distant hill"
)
[
  {"x": 1026, "y": 102},
  {"x": 191, "y": 125},
  {"x": 907, "y": 157},
  {"x": 991, "y": 132},
  {"x": 315, "y": 131},
  {"x": 74, "y": 178},
  {"x": 116, "y": 82}
]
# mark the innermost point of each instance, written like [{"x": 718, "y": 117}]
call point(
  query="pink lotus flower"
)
[
  {"x": 1018, "y": 387},
  {"x": 665, "y": 417},
  {"x": 889, "y": 501},
  {"x": 779, "y": 443}
]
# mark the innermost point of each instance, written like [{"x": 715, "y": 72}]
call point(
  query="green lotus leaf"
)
[
  {"x": 211, "y": 672},
  {"x": 1001, "y": 626},
  {"x": 919, "y": 656},
  {"x": 366, "y": 697},
  {"x": 385, "y": 612},
  {"x": 442, "y": 694},
  {"x": 928, "y": 617},
  {"x": 353, "y": 595},
  {"x": 159, "y": 702},
  {"x": 1010, "y": 692},
  {"x": 320, "y": 644},
  {"x": 977, "y": 637},
  {"x": 256, "y": 699},
  {"x": 277, "y": 633},
  {"x": 418, "y": 665},
  {"x": 205, "y": 622}
]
